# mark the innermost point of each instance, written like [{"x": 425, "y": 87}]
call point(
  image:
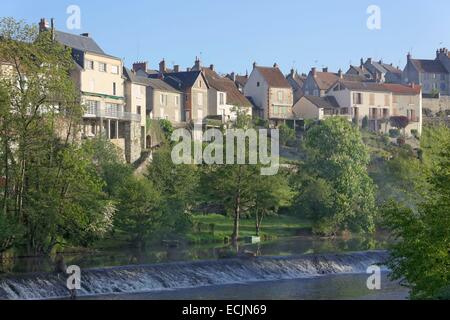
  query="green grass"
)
[{"x": 272, "y": 228}]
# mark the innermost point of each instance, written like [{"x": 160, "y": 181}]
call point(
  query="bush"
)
[
  {"x": 415, "y": 133},
  {"x": 394, "y": 133},
  {"x": 365, "y": 122},
  {"x": 401, "y": 141},
  {"x": 287, "y": 135}
]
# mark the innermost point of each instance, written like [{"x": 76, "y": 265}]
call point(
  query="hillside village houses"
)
[
  {"x": 119, "y": 101},
  {"x": 271, "y": 94}
]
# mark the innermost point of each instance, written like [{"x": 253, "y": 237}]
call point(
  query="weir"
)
[{"x": 183, "y": 275}]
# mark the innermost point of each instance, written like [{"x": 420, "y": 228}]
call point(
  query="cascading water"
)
[{"x": 148, "y": 278}]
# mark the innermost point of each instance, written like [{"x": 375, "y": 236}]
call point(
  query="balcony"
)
[{"x": 100, "y": 112}]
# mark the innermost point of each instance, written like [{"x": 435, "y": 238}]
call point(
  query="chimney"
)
[
  {"x": 362, "y": 63},
  {"x": 140, "y": 66},
  {"x": 292, "y": 73},
  {"x": 413, "y": 85},
  {"x": 188, "y": 69},
  {"x": 325, "y": 69},
  {"x": 162, "y": 66},
  {"x": 176, "y": 68},
  {"x": 43, "y": 25},
  {"x": 254, "y": 65},
  {"x": 211, "y": 67},
  {"x": 85, "y": 35},
  {"x": 314, "y": 72},
  {"x": 198, "y": 64},
  {"x": 369, "y": 60},
  {"x": 341, "y": 76},
  {"x": 409, "y": 56},
  {"x": 233, "y": 76},
  {"x": 275, "y": 65}
]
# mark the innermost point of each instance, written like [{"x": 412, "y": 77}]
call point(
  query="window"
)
[
  {"x": 276, "y": 110},
  {"x": 258, "y": 84},
  {"x": 443, "y": 86},
  {"x": 221, "y": 98},
  {"x": 115, "y": 69},
  {"x": 89, "y": 65},
  {"x": 92, "y": 107},
  {"x": 280, "y": 96},
  {"x": 163, "y": 99},
  {"x": 357, "y": 98},
  {"x": 102, "y": 67},
  {"x": 443, "y": 77},
  {"x": 114, "y": 89},
  {"x": 200, "y": 99},
  {"x": 200, "y": 83},
  {"x": 177, "y": 100},
  {"x": 139, "y": 110}
]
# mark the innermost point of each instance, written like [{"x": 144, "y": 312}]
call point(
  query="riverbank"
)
[{"x": 214, "y": 228}]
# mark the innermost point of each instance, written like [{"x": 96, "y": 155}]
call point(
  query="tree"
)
[
  {"x": 421, "y": 254},
  {"x": 400, "y": 122},
  {"x": 269, "y": 194},
  {"x": 139, "y": 211},
  {"x": 51, "y": 187},
  {"x": 337, "y": 163},
  {"x": 287, "y": 134}
]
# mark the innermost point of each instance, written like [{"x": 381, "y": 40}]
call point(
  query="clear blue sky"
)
[{"x": 233, "y": 33}]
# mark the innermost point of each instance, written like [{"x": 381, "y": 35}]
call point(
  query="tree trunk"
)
[{"x": 237, "y": 209}]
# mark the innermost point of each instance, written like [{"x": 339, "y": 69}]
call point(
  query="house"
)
[
  {"x": 375, "y": 103},
  {"x": 165, "y": 102},
  {"x": 224, "y": 98},
  {"x": 271, "y": 93},
  {"x": 99, "y": 78},
  {"x": 239, "y": 81},
  {"x": 318, "y": 83},
  {"x": 316, "y": 108},
  {"x": 136, "y": 103},
  {"x": 432, "y": 75},
  {"x": 297, "y": 82},
  {"x": 194, "y": 87},
  {"x": 377, "y": 71}
]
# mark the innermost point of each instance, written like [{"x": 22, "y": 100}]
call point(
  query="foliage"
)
[
  {"x": 167, "y": 128},
  {"x": 394, "y": 133},
  {"x": 139, "y": 212},
  {"x": 336, "y": 163},
  {"x": 287, "y": 135},
  {"x": 421, "y": 255},
  {"x": 52, "y": 189},
  {"x": 399, "y": 122},
  {"x": 365, "y": 122}
]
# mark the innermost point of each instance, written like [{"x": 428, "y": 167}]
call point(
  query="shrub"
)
[
  {"x": 394, "y": 133},
  {"x": 401, "y": 141}
]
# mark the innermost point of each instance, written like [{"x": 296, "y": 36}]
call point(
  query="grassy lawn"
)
[{"x": 218, "y": 228}]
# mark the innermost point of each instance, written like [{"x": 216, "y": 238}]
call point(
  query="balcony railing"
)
[{"x": 96, "y": 112}]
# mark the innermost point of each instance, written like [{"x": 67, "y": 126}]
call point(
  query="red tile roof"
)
[
  {"x": 403, "y": 89},
  {"x": 274, "y": 77}
]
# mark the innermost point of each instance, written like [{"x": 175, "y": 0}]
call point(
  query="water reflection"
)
[{"x": 11, "y": 263}]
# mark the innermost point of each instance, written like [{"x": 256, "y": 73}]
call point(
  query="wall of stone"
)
[
  {"x": 132, "y": 141},
  {"x": 436, "y": 105}
]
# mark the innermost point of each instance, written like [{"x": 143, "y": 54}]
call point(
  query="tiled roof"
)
[
  {"x": 241, "y": 80},
  {"x": 428, "y": 66},
  {"x": 223, "y": 84},
  {"x": 363, "y": 86},
  {"x": 327, "y": 102},
  {"x": 402, "y": 89},
  {"x": 274, "y": 77},
  {"x": 296, "y": 80}
]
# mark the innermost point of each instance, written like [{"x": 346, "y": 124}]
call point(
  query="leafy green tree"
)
[
  {"x": 337, "y": 160},
  {"x": 139, "y": 214},
  {"x": 421, "y": 254},
  {"x": 51, "y": 188},
  {"x": 287, "y": 135},
  {"x": 270, "y": 193}
]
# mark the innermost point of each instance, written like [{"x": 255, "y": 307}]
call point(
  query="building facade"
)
[{"x": 271, "y": 93}]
